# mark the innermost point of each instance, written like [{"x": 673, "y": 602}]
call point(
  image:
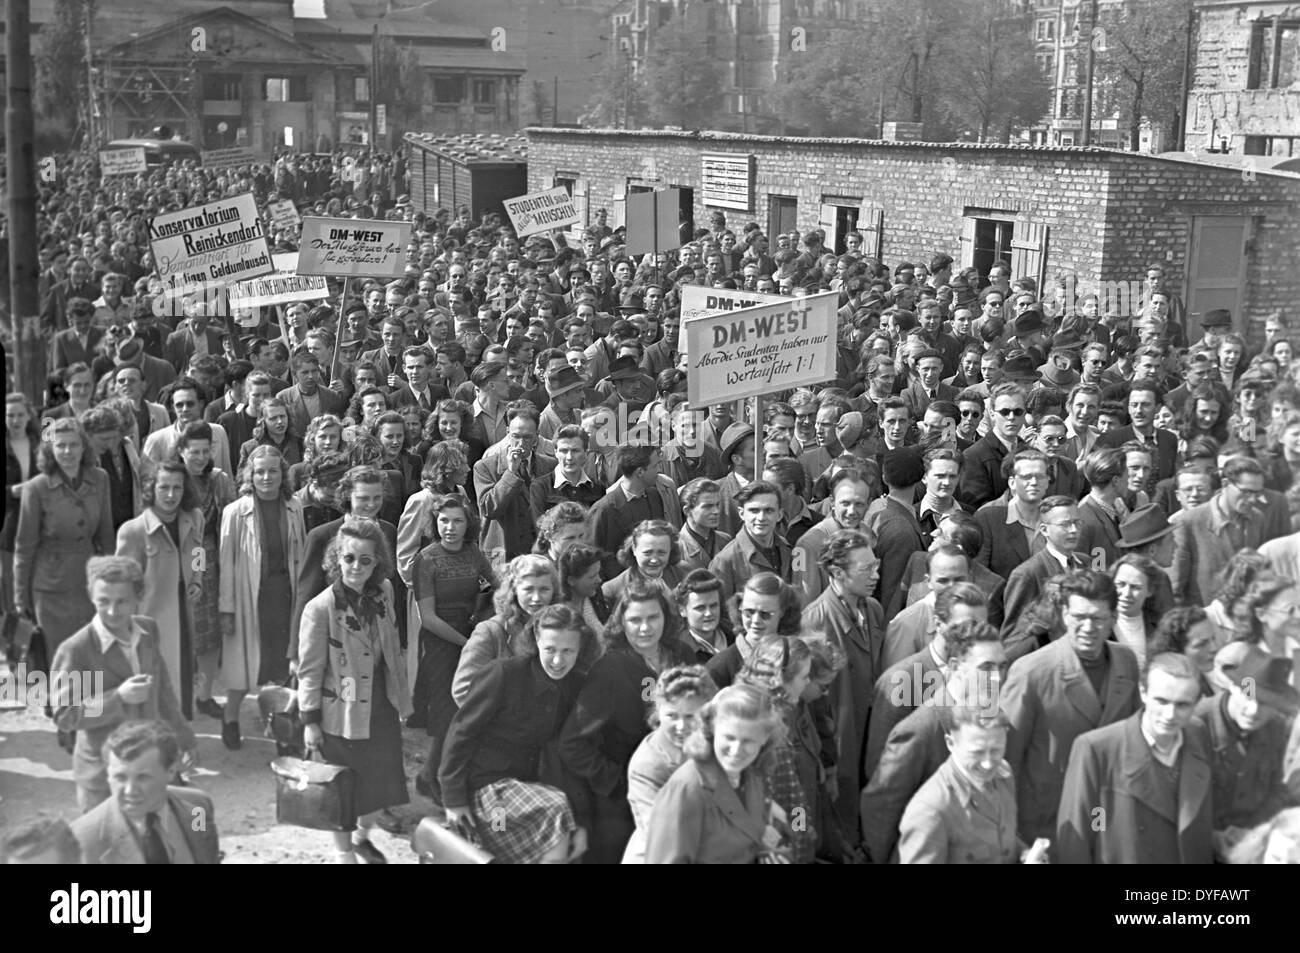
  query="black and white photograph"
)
[{"x": 595, "y": 432}]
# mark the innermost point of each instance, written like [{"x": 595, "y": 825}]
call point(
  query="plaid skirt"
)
[{"x": 520, "y": 822}]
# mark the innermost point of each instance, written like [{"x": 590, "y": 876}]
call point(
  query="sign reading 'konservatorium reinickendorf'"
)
[{"x": 220, "y": 242}]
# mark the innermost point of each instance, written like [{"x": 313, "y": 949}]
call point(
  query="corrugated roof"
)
[
  {"x": 477, "y": 149},
  {"x": 452, "y": 58}
]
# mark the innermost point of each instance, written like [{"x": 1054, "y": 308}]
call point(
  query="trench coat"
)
[
  {"x": 59, "y": 529},
  {"x": 241, "y": 574},
  {"x": 146, "y": 540}
]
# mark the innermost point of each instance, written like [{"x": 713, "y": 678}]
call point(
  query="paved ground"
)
[{"x": 36, "y": 775}]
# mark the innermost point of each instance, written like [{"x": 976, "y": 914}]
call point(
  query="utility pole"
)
[
  {"x": 24, "y": 302},
  {"x": 1085, "y": 137},
  {"x": 92, "y": 101},
  {"x": 555, "y": 100},
  {"x": 1184, "y": 109},
  {"x": 374, "y": 89}
]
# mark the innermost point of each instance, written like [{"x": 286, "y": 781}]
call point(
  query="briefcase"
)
[
  {"x": 315, "y": 795},
  {"x": 278, "y": 705},
  {"x": 435, "y": 844}
]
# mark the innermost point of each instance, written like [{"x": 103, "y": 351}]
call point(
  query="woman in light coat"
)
[
  {"x": 259, "y": 575},
  {"x": 352, "y": 688},
  {"x": 166, "y": 540},
  {"x": 64, "y": 520}
]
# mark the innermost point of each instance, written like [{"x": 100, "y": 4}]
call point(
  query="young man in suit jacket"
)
[
  {"x": 982, "y": 479},
  {"x": 1079, "y": 682},
  {"x": 194, "y": 334},
  {"x": 1143, "y": 399},
  {"x": 1148, "y": 775},
  {"x": 307, "y": 399},
  {"x": 1058, "y": 525},
  {"x": 1010, "y": 530},
  {"x": 146, "y": 821},
  {"x": 78, "y": 344},
  {"x": 123, "y": 649}
]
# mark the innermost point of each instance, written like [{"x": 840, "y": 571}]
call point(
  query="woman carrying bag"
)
[{"x": 352, "y": 691}]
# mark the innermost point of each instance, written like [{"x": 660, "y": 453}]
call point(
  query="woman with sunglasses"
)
[
  {"x": 641, "y": 641},
  {"x": 352, "y": 689},
  {"x": 766, "y": 606}
]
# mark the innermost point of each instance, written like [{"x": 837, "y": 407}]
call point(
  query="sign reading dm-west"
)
[
  {"x": 353, "y": 247},
  {"x": 760, "y": 350},
  {"x": 223, "y": 241}
]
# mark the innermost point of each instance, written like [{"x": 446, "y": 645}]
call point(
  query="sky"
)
[{"x": 309, "y": 9}]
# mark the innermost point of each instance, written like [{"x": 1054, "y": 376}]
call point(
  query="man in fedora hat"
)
[
  {"x": 737, "y": 445},
  {"x": 1029, "y": 332},
  {"x": 1021, "y": 367},
  {"x": 1214, "y": 325},
  {"x": 627, "y": 384},
  {"x": 155, "y": 372},
  {"x": 1147, "y": 532},
  {"x": 566, "y": 391},
  {"x": 1247, "y": 722}
]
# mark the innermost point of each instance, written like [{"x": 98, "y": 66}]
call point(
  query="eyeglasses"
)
[
  {"x": 1249, "y": 494},
  {"x": 1053, "y": 441},
  {"x": 765, "y": 614},
  {"x": 1066, "y": 524},
  {"x": 972, "y": 414},
  {"x": 1010, "y": 412}
]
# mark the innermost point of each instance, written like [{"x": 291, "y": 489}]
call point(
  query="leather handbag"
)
[
  {"x": 435, "y": 844},
  {"x": 315, "y": 795},
  {"x": 278, "y": 705}
]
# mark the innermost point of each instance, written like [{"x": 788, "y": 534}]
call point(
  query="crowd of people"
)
[{"x": 1022, "y": 559}]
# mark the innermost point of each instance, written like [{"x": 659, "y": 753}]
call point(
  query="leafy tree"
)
[
  {"x": 619, "y": 100},
  {"x": 1139, "y": 66},
  {"x": 60, "y": 61},
  {"x": 401, "y": 84},
  {"x": 993, "y": 87},
  {"x": 682, "y": 81},
  {"x": 833, "y": 88}
]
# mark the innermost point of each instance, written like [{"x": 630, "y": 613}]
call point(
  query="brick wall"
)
[{"x": 1108, "y": 213}]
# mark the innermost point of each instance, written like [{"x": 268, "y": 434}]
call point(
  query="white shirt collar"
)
[
  {"x": 107, "y": 640},
  {"x": 560, "y": 479},
  {"x": 1167, "y": 758}
]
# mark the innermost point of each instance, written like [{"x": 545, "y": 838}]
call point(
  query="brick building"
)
[
  {"x": 1225, "y": 239},
  {"x": 1244, "y": 95}
]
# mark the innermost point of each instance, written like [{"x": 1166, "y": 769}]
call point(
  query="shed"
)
[{"x": 479, "y": 171}]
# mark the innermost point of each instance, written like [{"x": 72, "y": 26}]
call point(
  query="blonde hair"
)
[{"x": 747, "y": 703}]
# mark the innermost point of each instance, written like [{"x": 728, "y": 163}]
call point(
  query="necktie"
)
[
  {"x": 155, "y": 851},
  {"x": 424, "y": 401}
]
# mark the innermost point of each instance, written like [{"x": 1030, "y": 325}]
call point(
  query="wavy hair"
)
[
  {"x": 454, "y": 501},
  {"x": 670, "y": 643},
  {"x": 745, "y": 703},
  {"x": 678, "y": 683},
  {"x": 246, "y": 474},
  {"x": 46, "y": 462},
  {"x": 528, "y": 566},
  {"x": 442, "y": 460},
  {"x": 366, "y": 530},
  {"x": 559, "y": 616},
  {"x": 627, "y": 558},
  {"x": 561, "y": 514},
  {"x": 770, "y": 584},
  {"x": 318, "y": 424}
]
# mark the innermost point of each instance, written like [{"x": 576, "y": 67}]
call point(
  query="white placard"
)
[
  {"x": 353, "y": 247},
  {"x": 284, "y": 214},
  {"x": 283, "y": 287},
  {"x": 228, "y": 158},
  {"x": 760, "y": 350},
  {"x": 221, "y": 242},
  {"x": 122, "y": 161},
  {"x": 542, "y": 211}
]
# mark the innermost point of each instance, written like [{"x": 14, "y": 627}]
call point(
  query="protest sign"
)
[
  {"x": 122, "y": 161},
  {"x": 698, "y": 300},
  {"x": 221, "y": 242},
  {"x": 284, "y": 214},
  {"x": 652, "y": 221},
  {"x": 283, "y": 287},
  {"x": 353, "y": 247},
  {"x": 542, "y": 212},
  {"x": 228, "y": 158},
  {"x": 760, "y": 350}
]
